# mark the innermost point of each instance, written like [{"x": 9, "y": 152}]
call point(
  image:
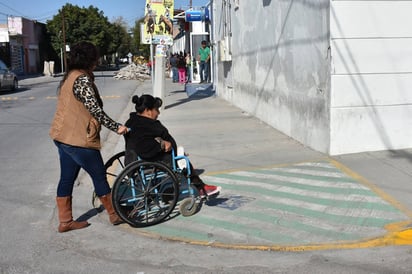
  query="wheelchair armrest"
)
[{"x": 176, "y": 158}]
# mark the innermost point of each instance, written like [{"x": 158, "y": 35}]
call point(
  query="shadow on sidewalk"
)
[{"x": 195, "y": 97}]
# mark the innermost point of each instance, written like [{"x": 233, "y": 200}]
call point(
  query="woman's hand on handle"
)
[{"x": 122, "y": 130}]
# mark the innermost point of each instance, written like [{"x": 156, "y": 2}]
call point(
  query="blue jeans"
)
[
  {"x": 71, "y": 160},
  {"x": 175, "y": 74},
  {"x": 204, "y": 71}
]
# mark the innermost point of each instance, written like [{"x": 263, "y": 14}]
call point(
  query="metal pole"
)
[
  {"x": 151, "y": 60},
  {"x": 61, "y": 58},
  {"x": 64, "y": 41}
]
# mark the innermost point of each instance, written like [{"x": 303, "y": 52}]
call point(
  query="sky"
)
[{"x": 43, "y": 10}]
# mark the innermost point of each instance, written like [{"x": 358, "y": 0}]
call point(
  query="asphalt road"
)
[{"x": 29, "y": 242}]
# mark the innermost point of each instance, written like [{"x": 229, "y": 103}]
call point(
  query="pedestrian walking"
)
[
  {"x": 75, "y": 130},
  {"x": 204, "y": 58}
]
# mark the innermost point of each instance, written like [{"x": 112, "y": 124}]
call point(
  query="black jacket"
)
[{"x": 140, "y": 141}]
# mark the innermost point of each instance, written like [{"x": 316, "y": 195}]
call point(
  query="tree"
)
[
  {"x": 121, "y": 40},
  {"x": 141, "y": 49},
  {"x": 81, "y": 24}
]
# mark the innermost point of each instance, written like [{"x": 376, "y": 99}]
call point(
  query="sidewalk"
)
[
  {"x": 278, "y": 194},
  {"x": 27, "y": 80}
]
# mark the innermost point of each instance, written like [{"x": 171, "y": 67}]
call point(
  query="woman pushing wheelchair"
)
[{"x": 151, "y": 141}]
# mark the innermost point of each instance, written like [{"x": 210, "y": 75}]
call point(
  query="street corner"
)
[{"x": 305, "y": 206}]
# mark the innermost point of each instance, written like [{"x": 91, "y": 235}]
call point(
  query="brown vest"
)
[{"x": 72, "y": 123}]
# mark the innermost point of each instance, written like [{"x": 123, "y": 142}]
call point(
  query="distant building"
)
[{"x": 24, "y": 45}]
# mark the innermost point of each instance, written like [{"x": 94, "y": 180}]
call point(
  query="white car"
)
[{"x": 8, "y": 79}]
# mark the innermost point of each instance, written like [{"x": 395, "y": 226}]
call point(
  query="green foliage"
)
[
  {"x": 121, "y": 39},
  {"x": 87, "y": 24},
  {"x": 139, "y": 49}
]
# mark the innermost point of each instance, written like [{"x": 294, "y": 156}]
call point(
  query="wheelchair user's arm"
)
[{"x": 166, "y": 146}]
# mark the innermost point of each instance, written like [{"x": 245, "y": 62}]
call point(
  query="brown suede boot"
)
[
  {"x": 64, "y": 206},
  {"x": 106, "y": 200}
]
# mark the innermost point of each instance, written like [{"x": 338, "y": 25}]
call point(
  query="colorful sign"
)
[{"x": 158, "y": 22}]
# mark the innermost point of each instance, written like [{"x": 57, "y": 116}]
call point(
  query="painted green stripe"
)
[
  {"x": 262, "y": 217},
  {"x": 242, "y": 229},
  {"x": 348, "y": 220},
  {"x": 314, "y": 200},
  {"x": 165, "y": 229},
  {"x": 271, "y": 181}
]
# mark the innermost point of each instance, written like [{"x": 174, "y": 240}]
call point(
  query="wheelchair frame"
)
[{"x": 146, "y": 193}]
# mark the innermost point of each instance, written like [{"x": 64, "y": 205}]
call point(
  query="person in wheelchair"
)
[{"x": 150, "y": 139}]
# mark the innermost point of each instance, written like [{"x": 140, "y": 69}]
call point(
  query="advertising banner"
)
[{"x": 158, "y": 22}]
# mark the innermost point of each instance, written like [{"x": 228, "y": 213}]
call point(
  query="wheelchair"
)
[{"x": 145, "y": 193}]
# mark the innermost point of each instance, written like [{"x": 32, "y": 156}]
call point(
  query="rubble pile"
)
[{"x": 133, "y": 72}]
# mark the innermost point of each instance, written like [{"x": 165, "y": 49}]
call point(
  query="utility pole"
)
[
  {"x": 190, "y": 4},
  {"x": 64, "y": 41}
]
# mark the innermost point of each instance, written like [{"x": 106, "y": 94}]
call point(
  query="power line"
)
[{"x": 17, "y": 12}]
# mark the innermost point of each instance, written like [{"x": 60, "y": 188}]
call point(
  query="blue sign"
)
[
  {"x": 194, "y": 15},
  {"x": 207, "y": 16}
]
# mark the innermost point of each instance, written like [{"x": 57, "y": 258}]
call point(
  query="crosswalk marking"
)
[{"x": 312, "y": 202}]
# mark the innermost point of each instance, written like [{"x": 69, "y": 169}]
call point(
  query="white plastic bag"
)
[{"x": 182, "y": 162}]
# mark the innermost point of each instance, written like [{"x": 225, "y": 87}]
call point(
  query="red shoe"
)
[{"x": 209, "y": 190}]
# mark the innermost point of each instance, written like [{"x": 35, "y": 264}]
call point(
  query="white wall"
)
[
  {"x": 371, "y": 76},
  {"x": 334, "y": 75},
  {"x": 280, "y": 64}
]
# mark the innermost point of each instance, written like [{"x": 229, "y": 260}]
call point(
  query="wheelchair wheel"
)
[
  {"x": 145, "y": 193},
  {"x": 113, "y": 167},
  {"x": 188, "y": 207}
]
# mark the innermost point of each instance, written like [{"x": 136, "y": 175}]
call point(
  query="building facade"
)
[
  {"x": 334, "y": 75},
  {"x": 23, "y": 44}
]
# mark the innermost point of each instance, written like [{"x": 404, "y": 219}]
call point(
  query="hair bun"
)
[{"x": 135, "y": 99}]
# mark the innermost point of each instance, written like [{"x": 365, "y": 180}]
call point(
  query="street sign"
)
[{"x": 194, "y": 15}]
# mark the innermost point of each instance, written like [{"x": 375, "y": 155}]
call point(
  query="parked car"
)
[
  {"x": 8, "y": 79},
  {"x": 124, "y": 60}
]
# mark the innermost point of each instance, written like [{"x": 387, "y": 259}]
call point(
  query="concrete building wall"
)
[
  {"x": 280, "y": 64},
  {"x": 371, "y": 45},
  {"x": 25, "y": 38},
  {"x": 31, "y": 47},
  {"x": 334, "y": 75}
]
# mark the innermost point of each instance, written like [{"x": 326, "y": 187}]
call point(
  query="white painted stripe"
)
[
  {"x": 289, "y": 190},
  {"x": 328, "y": 209},
  {"x": 315, "y": 164},
  {"x": 302, "y": 181},
  {"x": 310, "y": 172}
]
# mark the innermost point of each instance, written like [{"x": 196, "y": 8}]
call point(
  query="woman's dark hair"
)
[
  {"x": 83, "y": 55},
  {"x": 146, "y": 101}
]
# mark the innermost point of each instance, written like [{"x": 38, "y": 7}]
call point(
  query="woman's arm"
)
[{"x": 84, "y": 92}]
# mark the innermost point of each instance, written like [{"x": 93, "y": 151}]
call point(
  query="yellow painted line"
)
[
  {"x": 111, "y": 96},
  {"x": 16, "y": 98}
]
